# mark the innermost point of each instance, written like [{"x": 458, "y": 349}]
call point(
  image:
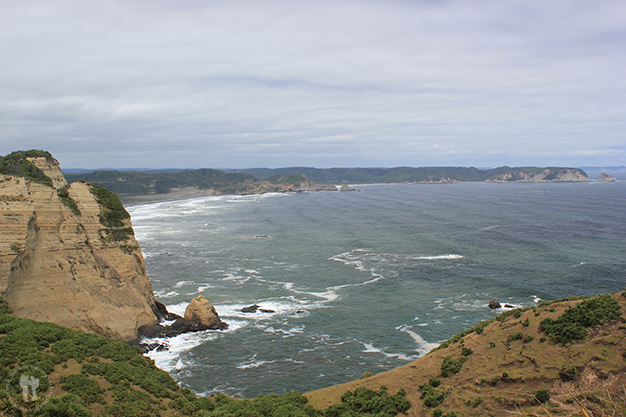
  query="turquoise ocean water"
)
[{"x": 367, "y": 280}]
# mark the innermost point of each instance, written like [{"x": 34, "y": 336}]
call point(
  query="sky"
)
[{"x": 340, "y": 83}]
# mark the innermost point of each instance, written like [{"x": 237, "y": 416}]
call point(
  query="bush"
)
[
  {"x": 568, "y": 372},
  {"x": 450, "y": 366},
  {"x": 466, "y": 351},
  {"x": 363, "y": 400},
  {"x": 542, "y": 396},
  {"x": 112, "y": 211},
  {"x": 572, "y": 325}
]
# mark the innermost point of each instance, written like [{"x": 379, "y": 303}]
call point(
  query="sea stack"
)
[
  {"x": 203, "y": 314},
  {"x": 606, "y": 178}
]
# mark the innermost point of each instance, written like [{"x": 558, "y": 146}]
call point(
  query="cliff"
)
[
  {"x": 68, "y": 254},
  {"x": 135, "y": 186},
  {"x": 542, "y": 175},
  {"x": 422, "y": 175}
]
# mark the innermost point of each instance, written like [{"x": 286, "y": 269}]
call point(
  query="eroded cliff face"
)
[
  {"x": 546, "y": 175},
  {"x": 63, "y": 260}
]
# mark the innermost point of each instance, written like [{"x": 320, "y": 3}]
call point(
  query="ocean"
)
[{"x": 369, "y": 280}]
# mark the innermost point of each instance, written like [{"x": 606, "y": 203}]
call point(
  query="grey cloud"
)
[{"x": 342, "y": 83}]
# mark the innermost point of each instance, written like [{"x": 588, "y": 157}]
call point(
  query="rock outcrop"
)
[
  {"x": 606, "y": 178},
  {"x": 543, "y": 175},
  {"x": 68, "y": 255},
  {"x": 199, "y": 315}
]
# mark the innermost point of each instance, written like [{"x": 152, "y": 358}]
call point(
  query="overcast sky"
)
[{"x": 237, "y": 84}]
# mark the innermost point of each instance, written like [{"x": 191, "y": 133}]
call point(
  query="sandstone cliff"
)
[
  {"x": 542, "y": 175},
  {"x": 68, "y": 255}
]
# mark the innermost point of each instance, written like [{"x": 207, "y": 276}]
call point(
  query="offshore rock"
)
[
  {"x": 493, "y": 305},
  {"x": 63, "y": 261},
  {"x": 606, "y": 178},
  {"x": 203, "y": 313},
  {"x": 250, "y": 309},
  {"x": 199, "y": 315}
]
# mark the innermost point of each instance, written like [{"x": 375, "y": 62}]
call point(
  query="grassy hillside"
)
[
  {"x": 83, "y": 375},
  {"x": 561, "y": 358},
  {"x": 553, "y": 360}
]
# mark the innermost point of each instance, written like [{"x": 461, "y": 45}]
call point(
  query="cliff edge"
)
[{"x": 68, "y": 254}]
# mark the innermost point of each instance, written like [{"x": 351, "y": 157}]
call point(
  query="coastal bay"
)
[{"x": 369, "y": 280}]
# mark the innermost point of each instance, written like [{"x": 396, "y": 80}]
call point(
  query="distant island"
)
[{"x": 137, "y": 186}]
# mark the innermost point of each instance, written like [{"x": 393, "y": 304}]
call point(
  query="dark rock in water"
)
[
  {"x": 508, "y": 306},
  {"x": 162, "y": 312},
  {"x": 250, "y": 309},
  {"x": 300, "y": 312},
  {"x": 264, "y": 310},
  {"x": 199, "y": 315},
  {"x": 159, "y": 347},
  {"x": 493, "y": 304},
  {"x": 262, "y": 236}
]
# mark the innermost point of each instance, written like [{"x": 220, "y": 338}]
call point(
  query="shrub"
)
[
  {"x": 542, "y": 396},
  {"x": 572, "y": 325},
  {"x": 112, "y": 211},
  {"x": 475, "y": 402},
  {"x": 466, "y": 351},
  {"x": 434, "y": 382},
  {"x": 65, "y": 198},
  {"x": 450, "y": 366},
  {"x": 568, "y": 372}
]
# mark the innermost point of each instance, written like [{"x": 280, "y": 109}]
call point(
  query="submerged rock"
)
[{"x": 250, "y": 309}]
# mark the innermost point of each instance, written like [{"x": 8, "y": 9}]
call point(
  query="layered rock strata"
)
[{"x": 68, "y": 255}]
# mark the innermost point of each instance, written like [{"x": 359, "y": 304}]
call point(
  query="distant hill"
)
[
  {"x": 416, "y": 175},
  {"x": 133, "y": 186},
  {"x": 129, "y": 185}
]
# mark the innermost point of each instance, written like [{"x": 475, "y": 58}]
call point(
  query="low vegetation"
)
[
  {"x": 510, "y": 365},
  {"x": 574, "y": 323},
  {"x": 91, "y": 375},
  {"x": 16, "y": 164},
  {"x": 65, "y": 198}
]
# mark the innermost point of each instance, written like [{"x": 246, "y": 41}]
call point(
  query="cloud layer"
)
[{"x": 202, "y": 83}]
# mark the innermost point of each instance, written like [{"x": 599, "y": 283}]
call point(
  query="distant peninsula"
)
[{"x": 137, "y": 186}]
